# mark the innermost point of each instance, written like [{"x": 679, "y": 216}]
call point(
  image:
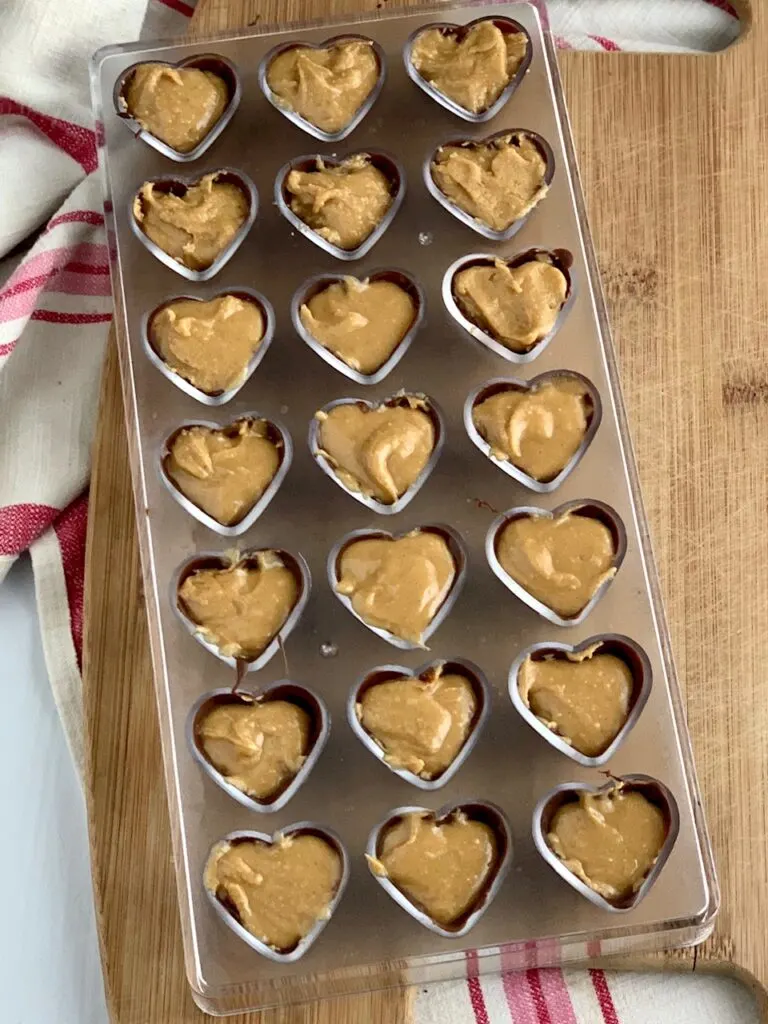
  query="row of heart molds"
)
[
  {"x": 285, "y": 690},
  {"x": 387, "y": 164},
  {"x": 297, "y": 564},
  {"x": 625, "y": 648},
  {"x": 278, "y": 433},
  {"x": 594, "y": 510},
  {"x": 481, "y": 810},
  {"x": 315, "y": 284},
  {"x": 227, "y": 71}
]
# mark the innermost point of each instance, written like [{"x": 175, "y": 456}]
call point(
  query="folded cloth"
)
[{"x": 55, "y": 308}]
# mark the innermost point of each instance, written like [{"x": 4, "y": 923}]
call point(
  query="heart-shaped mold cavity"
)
[
  {"x": 157, "y": 211},
  {"x": 575, "y": 556},
  {"x": 513, "y": 307},
  {"x": 439, "y": 59},
  {"x": 389, "y": 299},
  {"x": 241, "y": 333},
  {"x": 516, "y": 167},
  {"x": 378, "y": 450},
  {"x": 242, "y": 607},
  {"x": 259, "y": 747},
  {"x": 422, "y": 724},
  {"x": 535, "y": 431},
  {"x": 226, "y": 476},
  {"x": 650, "y": 820},
  {"x": 410, "y": 845},
  {"x": 347, "y": 67},
  {"x": 214, "y": 90},
  {"x": 424, "y": 572},
  {"x": 256, "y": 854},
  {"x": 341, "y": 221},
  {"x": 584, "y": 699}
]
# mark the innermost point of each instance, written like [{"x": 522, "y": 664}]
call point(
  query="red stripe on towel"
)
[
  {"x": 604, "y": 998},
  {"x": 73, "y": 139}
]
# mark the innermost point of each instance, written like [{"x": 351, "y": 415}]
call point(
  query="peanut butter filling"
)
[
  {"x": 442, "y": 867},
  {"x": 210, "y": 344},
  {"x": 378, "y": 452},
  {"x": 179, "y": 106},
  {"x": 584, "y": 697},
  {"x": 397, "y": 584},
  {"x": 196, "y": 227},
  {"x": 242, "y": 608},
  {"x": 517, "y": 306},
  {"x": 224, "y": 472},
  {"x": 342, "y": 202},
  {"x": 258, "y": 747},
  {"x": 361, "y": 322},
  {"x": 610, "y": 841},
  {"x": 326, "y": 87},
  {"x": 420, "y": 724},
  {"x": 539, "y": 430},
  {"x": 561, "y": 561},
  {"x": 495, "y": 182},
  {"x": 279, "y": 891},
  {"x": 473, "y": 71}
]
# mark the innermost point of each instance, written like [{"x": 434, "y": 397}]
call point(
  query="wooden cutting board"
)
[{"x": 673, "y": 159}]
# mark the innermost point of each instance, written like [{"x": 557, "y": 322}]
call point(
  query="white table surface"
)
[{"x": 49, "y": 960}]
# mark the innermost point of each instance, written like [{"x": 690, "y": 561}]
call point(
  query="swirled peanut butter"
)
[
  {"x": 278, "y": 891},
  {"x": 208, "y": 343},
  {"x": 472, "y": 70},
  {"x": 517, "y": 306},
  {"x": 179, "y": 106},
  {"x": 242, "y": 608},
  {"x": 561, "y": 561},
  {"x": 362, "y": 322},
  {"x": 379, "y": 452},
  {"x": 326, "y": 86},
  {"x": 495, "y": 182},
  {"x": 397, "y": 584},
  {"x": 258, "y": 746},
  {"x": 196, "y": 226},
  {"x": 539, "y": 430},
  {"x": 342, "y": 202},
  {"x": 610, "y": 841},
  {"x": 584, "y": 696},
  {"x": 224, "y": 472},
  {"x": 442, "y": 867},
  {"x": 420, "y": 724}
]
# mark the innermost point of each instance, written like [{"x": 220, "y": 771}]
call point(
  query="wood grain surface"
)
[{"x": 673, "y": 159}]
